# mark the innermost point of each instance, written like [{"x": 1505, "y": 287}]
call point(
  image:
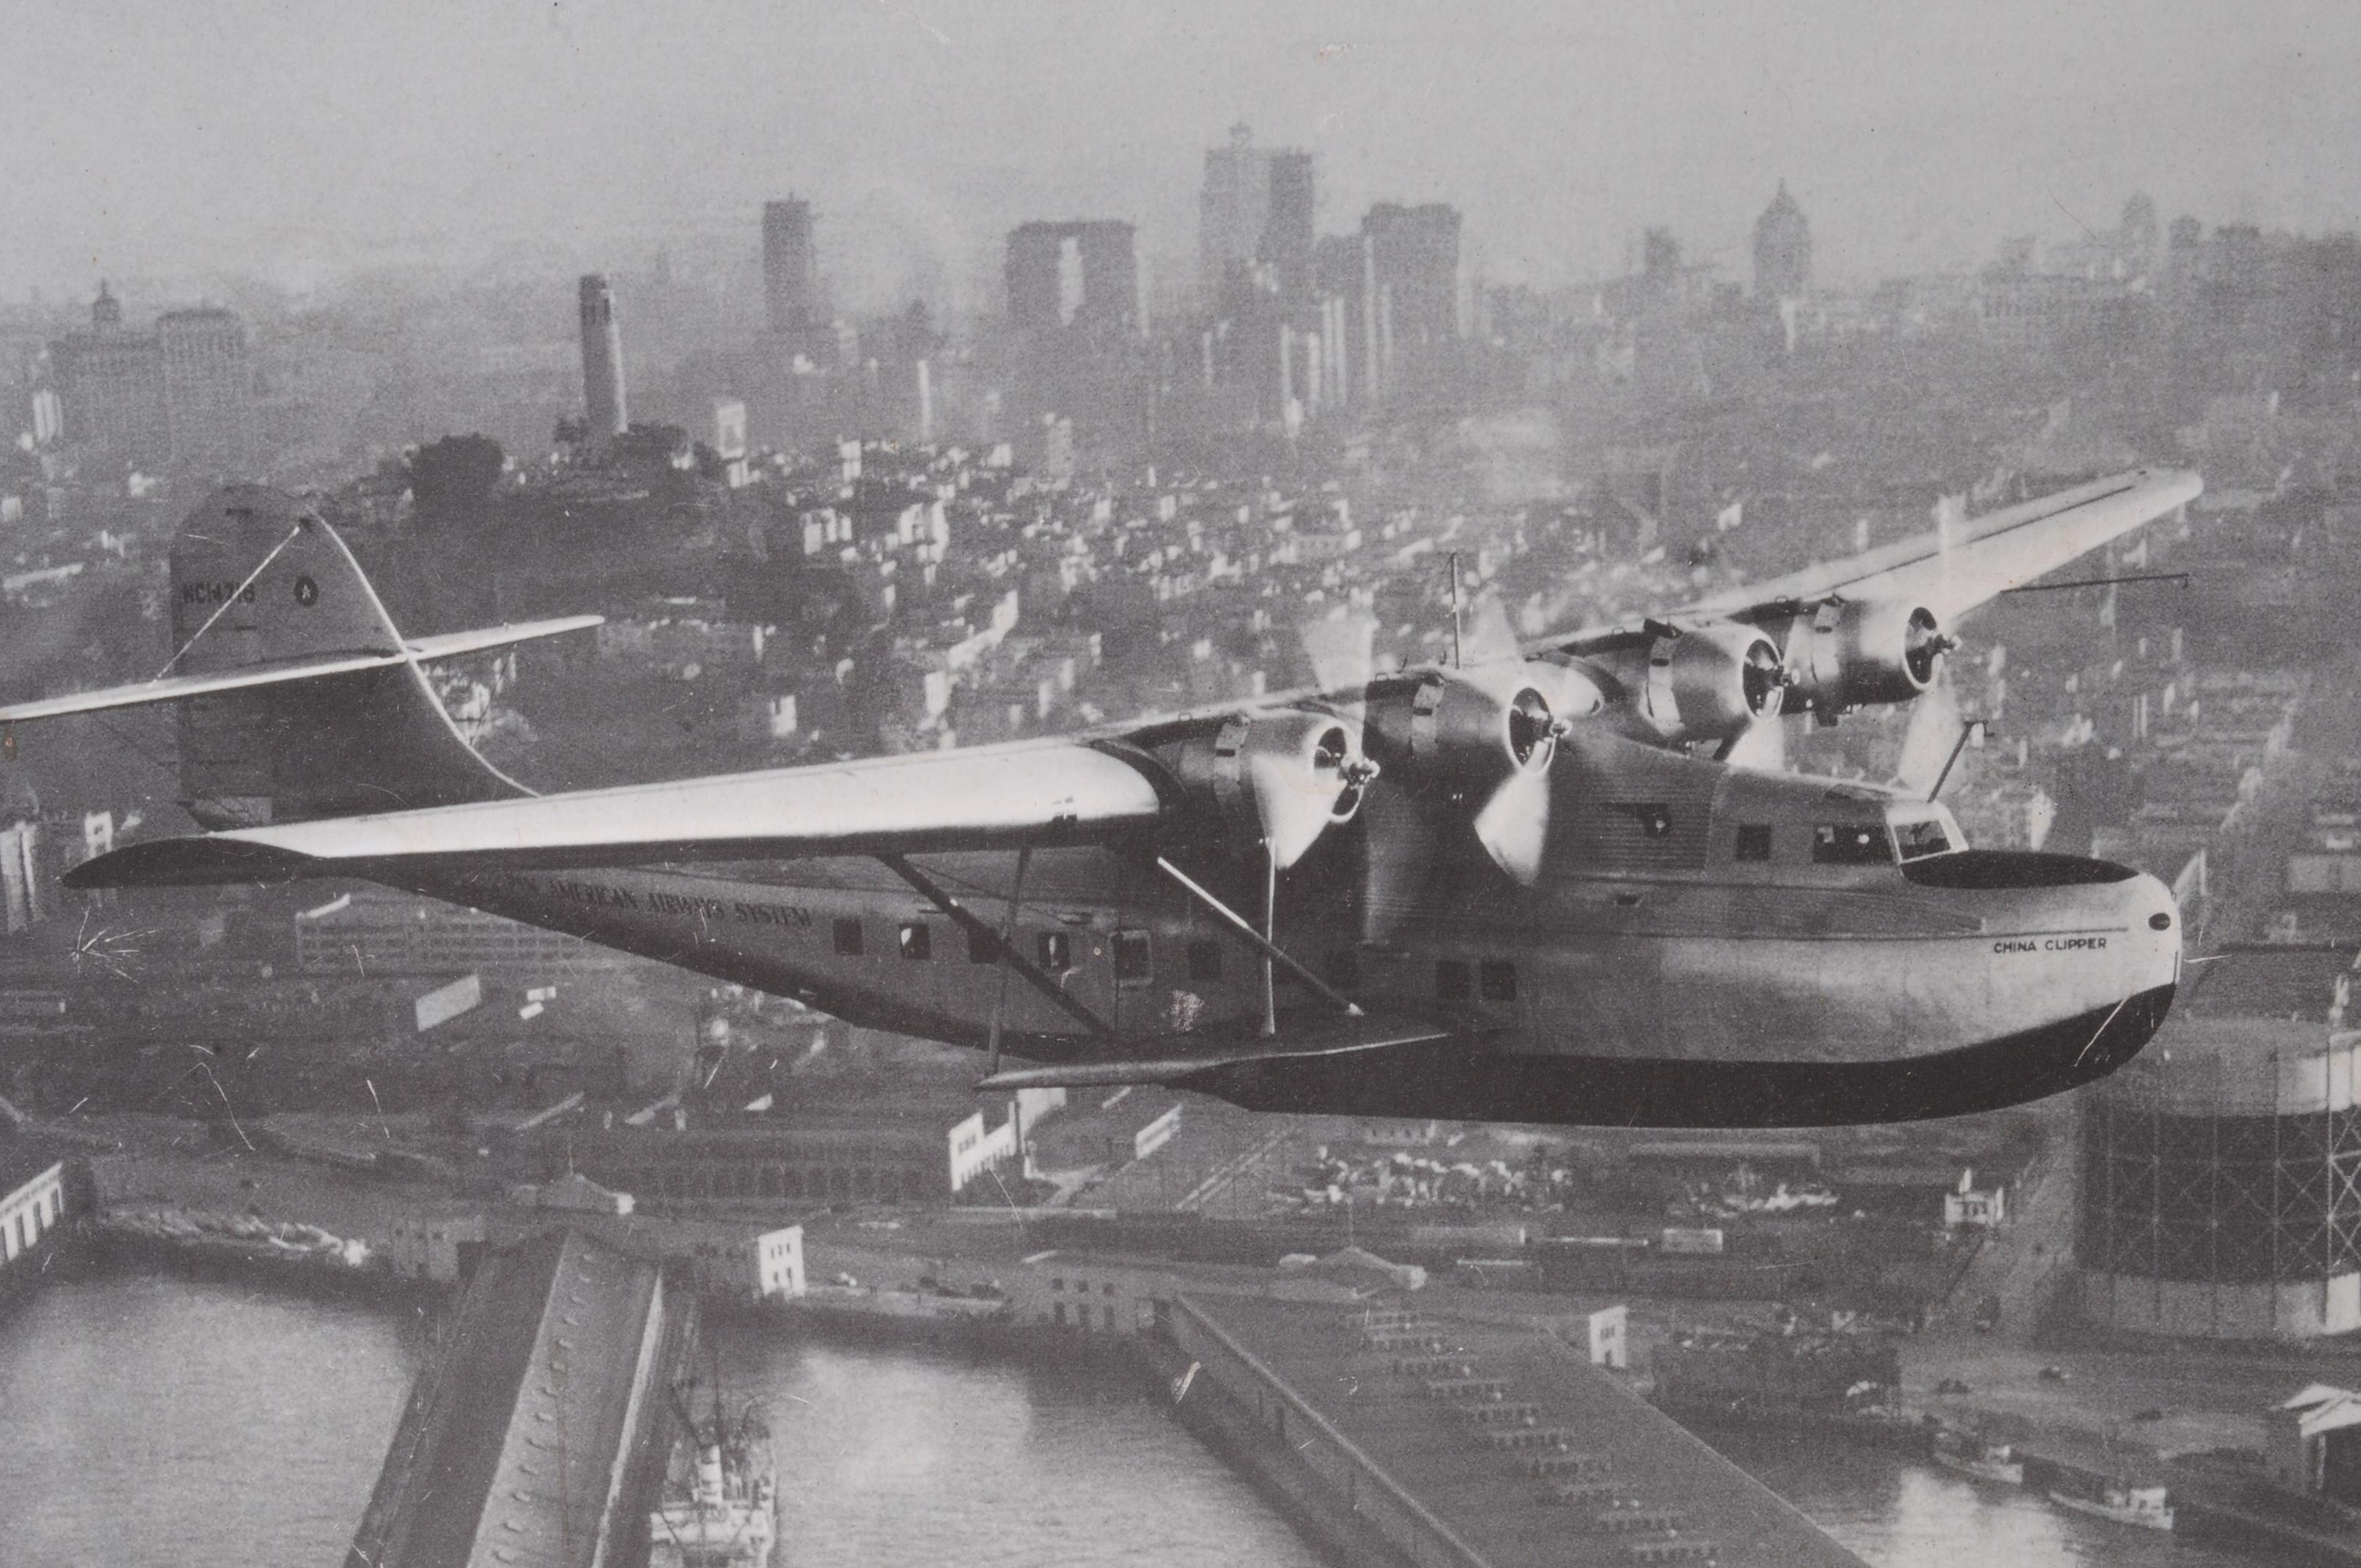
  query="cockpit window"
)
[
  {"x": 1916, "y": 841},
  {"x": 1852, "y": 844}
]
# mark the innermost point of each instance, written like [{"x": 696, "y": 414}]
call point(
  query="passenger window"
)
[
  {"x": 1499, "y": 978},
  {"x": 848, "y": 938},
  {"x": 1918, "y": 840},
  {"x": 1451, "y": 981},
  {"x": 1204, "y": 960},
  {"x": 1753, "y": 841},
  {"x": 1851, "y": 844},
  {"x": 918, "y": 942},
  {"x": 1133, "y": 960},
  {"x": 982, "y": 946},
  {"x": 1056, "y": 952}
]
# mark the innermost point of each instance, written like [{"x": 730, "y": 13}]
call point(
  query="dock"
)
[
  {"x": 536, "y": 1433},
  {"x": 1477, "y": 1444}
]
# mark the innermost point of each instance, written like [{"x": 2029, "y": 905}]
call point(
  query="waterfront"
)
[
  {"x": 150, "y": 1418},
  {"x": 153, "y": 1419},
  {"x": 1899, "y": 1513}
]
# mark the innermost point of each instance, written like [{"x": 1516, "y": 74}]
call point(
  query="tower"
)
[
  {"x": 1782, "y": 250},
  {"x": 111, "y": 387},
  {"x": 790, "y": 266},
  {"x": 602, "y": 363},
  {"x": 208, "y": 387},
  {"x": 1231, "y": 209}
]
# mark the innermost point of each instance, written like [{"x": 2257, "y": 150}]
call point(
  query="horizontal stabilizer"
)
[
  {"x": 451, "y": 645},
  {"x": 1029, "y": 792},
  {"x": 245, "y": 677},
  {"x": 1346, "y": 1036},
  {"x": 176, "y": 688}
]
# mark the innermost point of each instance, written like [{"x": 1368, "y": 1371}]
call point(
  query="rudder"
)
[{"x": 258, "y": 579}]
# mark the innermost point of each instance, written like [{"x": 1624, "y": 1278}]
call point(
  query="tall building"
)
[
  {"x": 602, "y": 362},
  {"x": 1782, "y": 250},
  {"x": 1288, "y": 233},
  {"x": 111, "y": 387},
  {"x": 790, "y": 266},
  {"x": 1414, "y": 270},
  {"x": 208, "y": 388},
  {"x": 1231, "y": 209},
  {"x": 1082, "y": 274},
  {"x": 1256, "y": 216}
]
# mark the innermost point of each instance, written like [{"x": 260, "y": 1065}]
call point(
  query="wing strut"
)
[
  {"x": 967, "y": 920},
  {"x": 1270, "y": 950},
  {"x": 1007, "y": 945}
]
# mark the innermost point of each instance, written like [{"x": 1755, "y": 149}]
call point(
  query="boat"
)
[
  {"x": 721, "y": 1506},
  {"x": 1994, "y": 1461},
  {"x": 2144, "y": 1505}
]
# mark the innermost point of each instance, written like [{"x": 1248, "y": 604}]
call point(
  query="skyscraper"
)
[
  {"x": 602, "y": 363},
  {"x": 790, "y": 266},
  {"x": 1414, "y": 263},
  {"x": 111, "y": 387},
  {"x": 1231, "y": 209},
  {"x": 1782, "y": 250},
  {"x": 1257, "y": 216},
  {"x": 208, "y": 388},
  {"x": 1288, "y": 230},
  {"x": 1082, "y": 274}
]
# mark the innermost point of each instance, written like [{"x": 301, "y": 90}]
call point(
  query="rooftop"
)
[{"x": 1640, "y": 1461}]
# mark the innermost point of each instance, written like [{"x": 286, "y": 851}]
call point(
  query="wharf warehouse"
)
[{"x": 2220, "y": 1170}]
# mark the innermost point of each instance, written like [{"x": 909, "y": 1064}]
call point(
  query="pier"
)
[
  {"x": 535, "y": 1436},
  {"x": 1469, "y": 1443}
]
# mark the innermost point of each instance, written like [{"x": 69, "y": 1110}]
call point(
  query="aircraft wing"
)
[
  {"x": 1036, "y": 793},
  {"x": 1951, "y": 570}
]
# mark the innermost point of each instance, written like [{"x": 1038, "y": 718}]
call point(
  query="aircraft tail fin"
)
[{"x": 299, "y": 699}]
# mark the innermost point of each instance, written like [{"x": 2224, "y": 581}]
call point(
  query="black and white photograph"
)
[{"x": 1180, "y": 782}]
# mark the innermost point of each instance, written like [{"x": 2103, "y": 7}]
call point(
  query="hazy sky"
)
[{"x": 293, "y": 139}]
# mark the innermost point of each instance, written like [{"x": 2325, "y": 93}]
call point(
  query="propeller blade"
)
[
  {"x": 1930, "y": 735},
  {"x": 1488, "y": 637},
  {"x": 1340, "y": 649},
  {"x": 1513, "y": 825},
  {"x": 1296, "y": 806},
  {"x": 1762, "y": 745}
]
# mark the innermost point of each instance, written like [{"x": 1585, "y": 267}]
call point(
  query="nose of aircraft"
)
[{"x": 2152, "y": 938}]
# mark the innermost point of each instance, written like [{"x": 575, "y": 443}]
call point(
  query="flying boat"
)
[{"x": 1560, "y": 883}]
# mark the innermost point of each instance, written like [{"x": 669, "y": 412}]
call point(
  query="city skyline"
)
[{"x": 298, "y": 146}]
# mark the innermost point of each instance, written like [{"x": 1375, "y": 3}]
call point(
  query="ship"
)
[
  {"x": 1984, "y": 1461},
  {"x": 2144, "y": 1505},
  {"x": 721, "y": 1507}
]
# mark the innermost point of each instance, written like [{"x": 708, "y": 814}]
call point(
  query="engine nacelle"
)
[
  {"x": 1284, "y": 778},
  {"x": 1456, "y": 732},
  {"x": 1705, "y": 682},
  {"x": 1845, "y": 654}
]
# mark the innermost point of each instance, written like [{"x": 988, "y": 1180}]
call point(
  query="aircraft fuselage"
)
[{"x": 1752, "y": 953}]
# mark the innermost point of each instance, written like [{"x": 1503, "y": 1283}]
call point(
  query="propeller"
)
[
  {"x": 1930, "y": 735},
  {"x": 1513, "y": 825}
]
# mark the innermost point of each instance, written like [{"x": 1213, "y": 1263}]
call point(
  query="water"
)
[
  {"x": 151, "y": 1421},
  {"x": 1898, "y": 1514},
  {"x": 148, "y": 1421}
]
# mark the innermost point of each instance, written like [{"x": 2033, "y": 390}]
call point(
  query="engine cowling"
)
[
  {"x": 1454, "y": 732},
  {"x": 1706, "y": 682},
  {"x": 1847, "y": 655},
  {"x": 1284, "y": 778}
]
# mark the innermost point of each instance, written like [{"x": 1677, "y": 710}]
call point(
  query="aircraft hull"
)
[
  {"x": 1680, "y": 1010},
  {"x": 1449, "y": 1082}
]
